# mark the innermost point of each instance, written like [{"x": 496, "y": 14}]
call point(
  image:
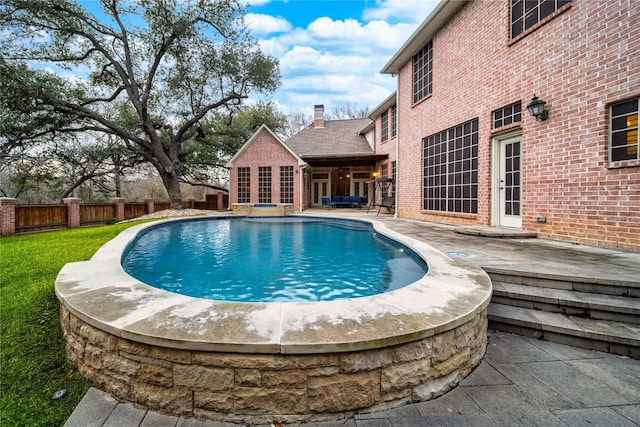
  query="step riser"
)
[
  {"x": 536, "y": 305},
  {"x": 567, "y": 310},
  {"x": 569, "y": 299},
  {"x": 567, "y": 285},
  {"x": 607, "y": 347}
]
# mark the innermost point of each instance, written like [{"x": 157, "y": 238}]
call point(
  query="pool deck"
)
[{"x": 522, "y": 381}]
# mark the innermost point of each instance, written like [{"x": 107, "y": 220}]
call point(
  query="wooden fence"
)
[
  {"x": 98, "y": 213},
  {"x": 135, "y": 210},
  {"x": 16, "y": 219},
  {"x": 40, "y": 217}
]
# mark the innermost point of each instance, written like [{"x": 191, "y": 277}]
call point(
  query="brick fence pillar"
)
[
  {"x": 220, "y": 201},
  {"x": 119, "y": 202},
  {"x": 73, "y": 211},
  {"x": 151, "y": 206},
  {"x": 7, "y": 216}
]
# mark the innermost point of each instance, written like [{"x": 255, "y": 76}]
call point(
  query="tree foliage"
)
[
  {"x": 223, "y": 134},
  {"x": 152, "y": 72}
]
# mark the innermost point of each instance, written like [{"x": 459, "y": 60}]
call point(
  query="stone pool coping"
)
[{"x": 100, "y": 293}]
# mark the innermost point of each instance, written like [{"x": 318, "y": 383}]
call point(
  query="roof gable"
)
[{"x": 256, "y": 138}]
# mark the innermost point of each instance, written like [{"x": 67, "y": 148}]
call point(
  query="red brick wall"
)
[
  {"x": 7, "y": 216},
  {"x": 265, "y": 151},
  {"x": 384, "y": 147},
  {"x": 580, "y": 62}
]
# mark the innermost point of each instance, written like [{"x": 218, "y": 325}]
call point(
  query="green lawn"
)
[{"x": 33, "y": 363}]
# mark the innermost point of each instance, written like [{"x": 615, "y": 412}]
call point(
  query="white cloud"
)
[
  {"x": 264, "y": 24},
  {"x": 406, "y": 10},
  {"x": 333, "y": 62}
]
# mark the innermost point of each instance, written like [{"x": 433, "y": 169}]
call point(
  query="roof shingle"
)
[{"x": 336, "y": 138}]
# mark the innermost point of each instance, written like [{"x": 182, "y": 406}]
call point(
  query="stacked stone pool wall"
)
[
  {"x": 260, "y": 363},
  {"x": 266, "y": 388}
]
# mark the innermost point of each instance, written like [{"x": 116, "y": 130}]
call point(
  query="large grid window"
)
[
  {"x": 394, "y": 121},
  {"x": 422, "y": 73},
  {"x": 384, "y": 122},
  {"x": 624, "y": 136},
  {"x": 244, "y": 185},
  {"x": 450, "y": 174},
  {"x": 286, "y": 184},
  {"x": 527, "y": 13},
  {"x": 507, "y": 115},
  {"x": 264, "y": 184}
]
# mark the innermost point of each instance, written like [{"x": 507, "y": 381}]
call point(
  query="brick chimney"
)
[{"x": 318, "y": 116}]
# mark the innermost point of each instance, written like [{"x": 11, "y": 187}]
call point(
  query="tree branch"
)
[{"x": 111, "y": 98}]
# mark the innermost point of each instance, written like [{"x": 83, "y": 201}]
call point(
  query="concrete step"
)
[
  {"x": 579, "y": 304},
  {"x": 599, "y": 335},
  {"x": 602, "y": 286}
]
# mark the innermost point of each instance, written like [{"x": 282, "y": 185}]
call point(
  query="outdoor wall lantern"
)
[{"x": 536, "y": 108}]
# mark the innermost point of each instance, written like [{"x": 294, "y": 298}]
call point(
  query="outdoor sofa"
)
[{"x": 344, "y": 201}]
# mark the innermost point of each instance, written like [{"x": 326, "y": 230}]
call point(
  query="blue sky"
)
[{"x": 331, "y": 52}]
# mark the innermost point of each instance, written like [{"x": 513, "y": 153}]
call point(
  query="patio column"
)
[
  {"x": 7, "y": 216},
  {"x": 73, "y": 211},
  {"x": 119, "y": 202}
]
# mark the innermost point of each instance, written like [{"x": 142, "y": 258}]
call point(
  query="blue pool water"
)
[{"x": 271, "y": 259}]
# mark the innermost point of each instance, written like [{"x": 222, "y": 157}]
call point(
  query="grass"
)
[{"x": 33, "y": 364}]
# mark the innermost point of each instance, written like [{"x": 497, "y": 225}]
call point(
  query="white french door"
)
[
  {"x": 508, "y": 204},
  {"x": 320, "y": 188}
]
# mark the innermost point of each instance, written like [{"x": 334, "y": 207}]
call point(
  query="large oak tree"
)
[{"x": 153, "y": 70}]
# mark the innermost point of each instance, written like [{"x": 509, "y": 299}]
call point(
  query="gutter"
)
[{"x": 425, "y": 32}]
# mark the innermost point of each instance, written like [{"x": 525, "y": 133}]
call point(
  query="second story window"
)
[
  {"x": 422, "y": 72},
  {"x": 394, "y": 121},
  {"x": 527, "y": 13},
  {"x": 384, "y": 119}
]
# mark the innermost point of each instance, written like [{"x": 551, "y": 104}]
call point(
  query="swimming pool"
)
[
  {"x": 271, "y": 259},
  {"x": 288, "y": 362}
]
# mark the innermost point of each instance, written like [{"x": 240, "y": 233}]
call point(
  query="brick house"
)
[
  {"x": 327, "y": 158},
  {"x": 469, "y": 152}
]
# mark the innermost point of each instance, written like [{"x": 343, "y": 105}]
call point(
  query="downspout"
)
[
  {"x": 395, "y": 211},
  {"x": 302, "y": 169}
]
